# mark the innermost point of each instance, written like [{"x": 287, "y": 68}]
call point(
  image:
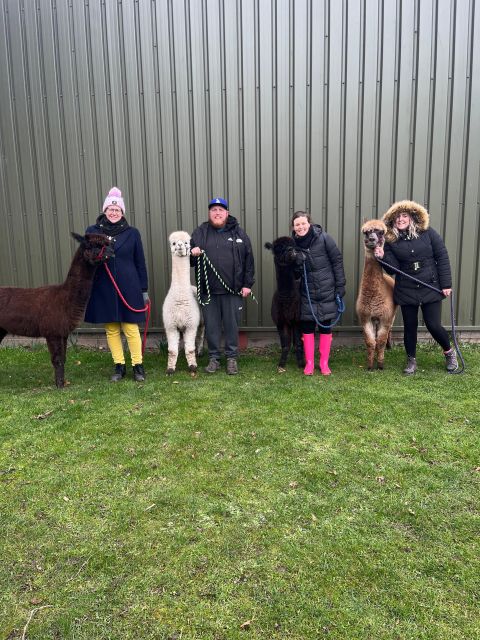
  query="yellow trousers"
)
[{"x": 114, "y": 341}]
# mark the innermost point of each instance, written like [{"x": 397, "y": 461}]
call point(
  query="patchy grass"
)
[{"x": 255, "y": 506}]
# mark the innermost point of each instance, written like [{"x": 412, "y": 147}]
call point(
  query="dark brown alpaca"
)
[
  {"x": 375, "y": 306},
  {"x": 53, "y": 312},
  {"x": 286, "y": 299}
]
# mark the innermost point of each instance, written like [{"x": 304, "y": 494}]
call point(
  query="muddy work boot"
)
[
  {"x": 212, "y": 366},
  {"x": 138, "y": 373},
  {"x": 119, "y": 373},
  {"x": 451, "y": 362},
  {"x": 411, "y": 366},
  {"x": 232, "y": 367}
]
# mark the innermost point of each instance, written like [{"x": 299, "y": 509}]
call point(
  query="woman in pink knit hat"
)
[{"x": 130, "y": 273}]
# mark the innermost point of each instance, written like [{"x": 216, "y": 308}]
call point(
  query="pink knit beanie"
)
[{"x": 114, "y": 197}]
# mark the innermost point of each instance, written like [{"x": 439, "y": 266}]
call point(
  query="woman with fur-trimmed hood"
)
[{"x": 415, "y": 248}]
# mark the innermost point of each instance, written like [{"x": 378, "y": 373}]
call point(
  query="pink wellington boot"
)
[
  {"x": 309, "y": 351},
  {"x": 324, "y": 350}
]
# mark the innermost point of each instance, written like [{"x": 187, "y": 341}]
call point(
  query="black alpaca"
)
[
  {"x": 286, "y": 299},
  {"x": 53, "y": 312}
]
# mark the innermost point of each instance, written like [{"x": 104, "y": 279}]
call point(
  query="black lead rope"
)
[
  {"x": 452, "y": 311},
  {"x": 338, "y": 300}
]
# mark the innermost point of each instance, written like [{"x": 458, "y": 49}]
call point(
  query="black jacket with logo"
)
[{"x": 230, "y": 251}]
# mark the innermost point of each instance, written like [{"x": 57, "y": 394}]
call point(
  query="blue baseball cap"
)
[{"x": 218, "y": 202}]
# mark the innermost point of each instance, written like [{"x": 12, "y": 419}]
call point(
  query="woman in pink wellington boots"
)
[{"x": 324, "y": 281}]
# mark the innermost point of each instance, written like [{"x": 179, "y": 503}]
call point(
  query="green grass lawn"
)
[{"x": 255, "y": 506}]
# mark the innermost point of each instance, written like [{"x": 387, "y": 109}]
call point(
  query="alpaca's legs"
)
[
  {"x": 309, "y": 349},
  {"x": 173, "y": 339},
  {"x": 285, "y": 343},
  {"x": 3, "y": 333},
  {"x": 382, "y": 339},
  {"x": 199, "y": 338},
  {"x": 370, "y": 339},
  {"x": 324, "y": 345},
  {"x": 189, "y": 346},
  {"x": 298, "y": 346},
  {"x": 57, "y": 345}
]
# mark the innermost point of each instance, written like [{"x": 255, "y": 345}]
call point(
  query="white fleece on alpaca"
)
[{"x": 181, "y": 311}]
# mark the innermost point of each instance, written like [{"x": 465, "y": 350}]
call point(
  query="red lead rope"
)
[{"x": 146, "y": 308}]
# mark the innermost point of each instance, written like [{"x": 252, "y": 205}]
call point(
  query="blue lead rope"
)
[
  {"x": 452, "y": 310},
  {"x": 338, "y": 300}
]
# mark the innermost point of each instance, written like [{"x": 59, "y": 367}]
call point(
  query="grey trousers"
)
[{"x": 223, "y": 311}]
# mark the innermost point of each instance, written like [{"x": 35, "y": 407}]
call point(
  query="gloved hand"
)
[{"x": 146, "y": 297}]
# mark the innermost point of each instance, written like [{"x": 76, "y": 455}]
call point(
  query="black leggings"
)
[
  {"x": 432, "y": 313},
  {"x": 308, "y": 326}
]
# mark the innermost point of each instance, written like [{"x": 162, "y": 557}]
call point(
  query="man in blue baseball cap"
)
[{"x": 229, "y": 278}]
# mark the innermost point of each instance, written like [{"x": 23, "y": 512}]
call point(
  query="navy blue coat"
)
[{"x": 130, "y": 273}]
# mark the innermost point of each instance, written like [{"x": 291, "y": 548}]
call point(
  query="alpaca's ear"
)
[
  {"x": 268, "y": 245},
  {"x": 78, "y": 237}
]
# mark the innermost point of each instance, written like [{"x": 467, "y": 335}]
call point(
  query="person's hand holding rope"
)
[
  {"x": 378, "y": 253},
  {"x": 244, "y": 292}
]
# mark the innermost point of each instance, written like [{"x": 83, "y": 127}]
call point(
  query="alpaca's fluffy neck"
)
[
  {"x": 372, "y": 269},
  {"x": 78, "y": 285},
  {"x": 181, "y": 271},
  {"x": 285, "y": 279}
]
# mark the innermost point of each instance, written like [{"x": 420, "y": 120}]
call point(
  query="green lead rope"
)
[{"x": 204, "y": 260}]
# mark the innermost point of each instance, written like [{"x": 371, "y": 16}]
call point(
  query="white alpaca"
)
[{"x": 181, "y": 311}]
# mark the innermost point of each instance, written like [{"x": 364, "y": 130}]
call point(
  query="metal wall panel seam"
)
[
  {"x": 23, "y": 268},
  {"x": 32, "y": 188},
  {"x": 462, "y": 265},
  {"x": 448, "y": 120},
  {"x": 81, "y": 199},
  {"x": 65, "y": 215},
  {"x": 326, "y": 107}
]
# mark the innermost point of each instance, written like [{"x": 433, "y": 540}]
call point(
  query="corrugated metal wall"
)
[{"x": 336, "y": 107}]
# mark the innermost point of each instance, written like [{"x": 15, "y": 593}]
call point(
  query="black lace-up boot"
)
[
  {"x": 139, "y": 373},
  {"x": 119, "y": 373}
]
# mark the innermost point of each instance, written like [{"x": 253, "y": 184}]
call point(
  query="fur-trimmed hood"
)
[{"x": 418, "y": 214}]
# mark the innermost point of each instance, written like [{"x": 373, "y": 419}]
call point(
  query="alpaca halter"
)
[{"x": 203, "y": 261}]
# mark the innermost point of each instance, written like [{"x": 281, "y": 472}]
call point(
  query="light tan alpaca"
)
[{"x": 375, "y": 306}]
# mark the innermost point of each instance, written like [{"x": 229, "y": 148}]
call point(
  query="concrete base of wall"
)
[{"x": 248, "y": 338}]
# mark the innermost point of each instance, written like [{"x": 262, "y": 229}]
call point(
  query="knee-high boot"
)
[
  {"x": 324, "y": 351},
  {"x": 309, "y": 351}
]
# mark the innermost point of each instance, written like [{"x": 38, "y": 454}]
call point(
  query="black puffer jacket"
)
[
  {"x": 325, "y": 277},
  {"x": 425, "y": 257},
  {"x": 230, "y": 251}
]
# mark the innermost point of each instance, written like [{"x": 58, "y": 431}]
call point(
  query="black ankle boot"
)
[
  {"x": 139, "y": 373},
  {"x": 119, "y": 373}
]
